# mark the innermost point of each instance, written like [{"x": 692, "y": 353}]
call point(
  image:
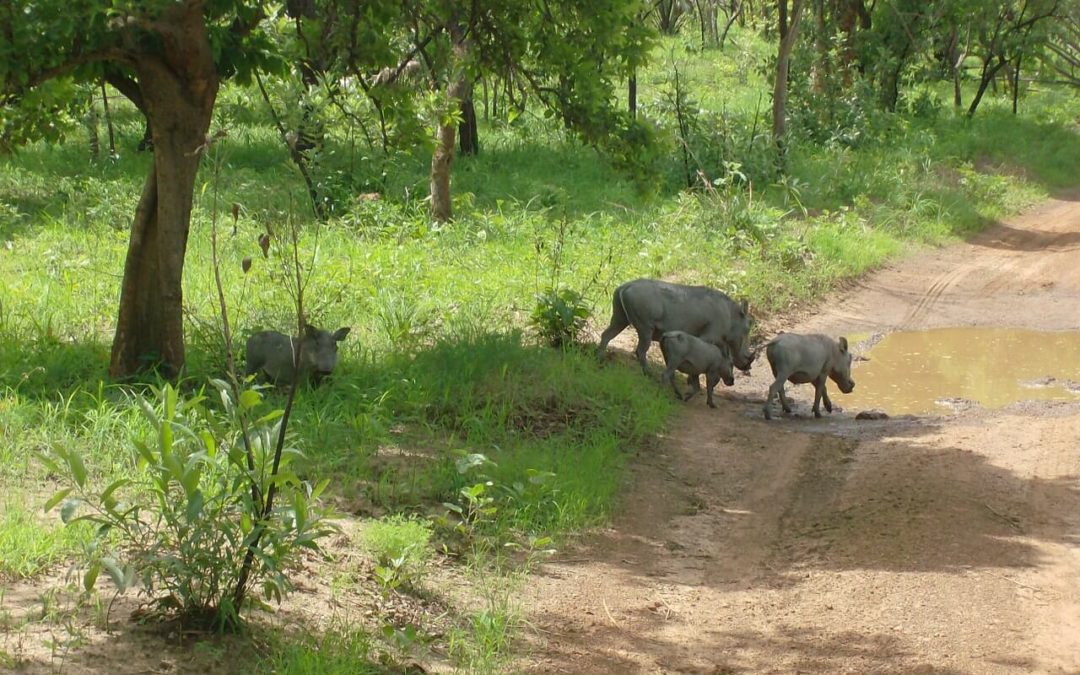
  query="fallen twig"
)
[
  {"x": 1007, "y": 519},
  {"x": 1021, "y": 585},
  {"x": 608, "y": 612}
]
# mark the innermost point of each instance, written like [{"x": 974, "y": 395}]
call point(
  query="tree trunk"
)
[
  {"x": 92, "y": 128},
  {"x": 468, "y": 134},
  {"x": 852, "y": 18},
  {"x": 989, "y": 72},
  {"x": 736, "y": 13},
  {"x": 707, "y": 17},
  {"x": 178, "y": 88},
  {"x": 819, "y": 72},
  {"x": 108, "y": 120},
  {"x": 631, "y": 94},
  {"x": 890, "y": 87},
  {"x": 956, "y": 56},
  {"x": 788, "y": 34},
  {"x": 443, "y": 157},
  {"x": 1016, "y": 84}
]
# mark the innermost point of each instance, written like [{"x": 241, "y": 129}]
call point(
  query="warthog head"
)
[
  {"x": 319, "y": 350},
  {"x": 840, "y": 373},
  {"x": 742, "y": 355}
]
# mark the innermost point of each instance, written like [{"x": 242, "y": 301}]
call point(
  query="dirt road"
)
[{"x": 930, "y": 544}]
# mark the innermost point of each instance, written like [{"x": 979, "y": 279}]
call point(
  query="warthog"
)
[
  {"x": 693, "y": 356},
  {"x": 655, "y": 307},
  {"x": 271, "y": 354},
  {"x": 808, "y": 358}
]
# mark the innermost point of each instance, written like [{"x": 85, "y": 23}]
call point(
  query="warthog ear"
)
[
  {"x": 744, "y": 306},
  {"x": 843, "y": 344},
  {"x": 310, "y": 331},
  {"x": 340, "y": 333}
]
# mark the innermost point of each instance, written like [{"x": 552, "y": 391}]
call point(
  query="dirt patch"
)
[
  {"x": 945, "y": 544},
  {"x": 47, "y": 626}
]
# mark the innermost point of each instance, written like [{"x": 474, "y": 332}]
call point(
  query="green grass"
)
[
  {"x": 337, "y": 651},
  {"x": 28, "y": 546}
]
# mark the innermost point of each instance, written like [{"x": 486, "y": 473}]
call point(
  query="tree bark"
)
[
  {"x": 989, "y": 72},
  {"x": 178, "y": 85},
  {"x": 820, "y": 72},
  {"x": 469, "y": 135},
  {"x": 441, "y": 160},
  {"x": 707, "y": 18},
  {"x": 736, "y": 13},
  {"x": 1016, "y": 83},
  {"x": 788, "y": 33},
  {"x": 443, "y": 157},
  {"x": 631, "y": 94}
]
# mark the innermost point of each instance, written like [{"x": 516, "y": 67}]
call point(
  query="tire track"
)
[{"x": 932, "y": 296}]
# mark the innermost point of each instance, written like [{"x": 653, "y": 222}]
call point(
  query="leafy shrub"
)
[
  {"x": 400, "y": 546},
  {"x": 194, "y": 508},
  {"x": 559, "y": 316}
]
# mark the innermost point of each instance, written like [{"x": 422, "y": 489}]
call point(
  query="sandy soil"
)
[{"x": 930, "y": 544}]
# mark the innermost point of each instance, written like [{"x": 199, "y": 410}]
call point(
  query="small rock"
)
[
  {"x": 957, "y": 404},
  {"x": 1044, "y": 381},
  {"x": 872, "y": 415}
]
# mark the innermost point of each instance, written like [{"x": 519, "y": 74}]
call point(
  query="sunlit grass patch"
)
[{"x": 30, "y": 542}]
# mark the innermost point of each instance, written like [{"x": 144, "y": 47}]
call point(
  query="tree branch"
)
[
  {"x": 126, "y": 86},
  {"x": 99, "y": 56}
]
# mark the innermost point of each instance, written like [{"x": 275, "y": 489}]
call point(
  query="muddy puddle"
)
[{"x": 949, "y": 369}]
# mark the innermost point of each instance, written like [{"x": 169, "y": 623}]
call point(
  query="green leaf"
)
[
  {"x": 115, "y": 573},
  {"x": 145, "y": 454},
  {"x": 194, "y": 507},
  {"x": 90, "y": 578},
  {"x": 190, "y": 479},
  {"x": 319, "y": 488},
  {"x": 209, "y": 442},
  {"x": 170, "y": 401},
  {"x": 149, "y": 413},
  {"x": 78, "y": 469},
  {"x": 284, "y": 478},
  {"x": 67, "y": 511},
  {"x": 249, "y": 398},
  {"x": 269, "y": 417},
  {"x": 57, "y": 498},
  {"x": 49, "y": 462},
  {"x": 106, "y": 495}
]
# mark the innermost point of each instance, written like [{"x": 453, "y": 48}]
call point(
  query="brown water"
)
[{"x": 935, "y": 371}]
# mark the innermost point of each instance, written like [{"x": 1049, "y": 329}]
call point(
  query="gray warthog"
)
[
  {"x": 654, "y": 307},
  {"x": 271, "y": 354},
  {"x": 808, "y": 358},
  {"x": 693, "y": 356}
]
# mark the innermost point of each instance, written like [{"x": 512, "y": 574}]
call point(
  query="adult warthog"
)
[
  {"x": 654, "y": 307},
  {"x": 271, "y": 355}
]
